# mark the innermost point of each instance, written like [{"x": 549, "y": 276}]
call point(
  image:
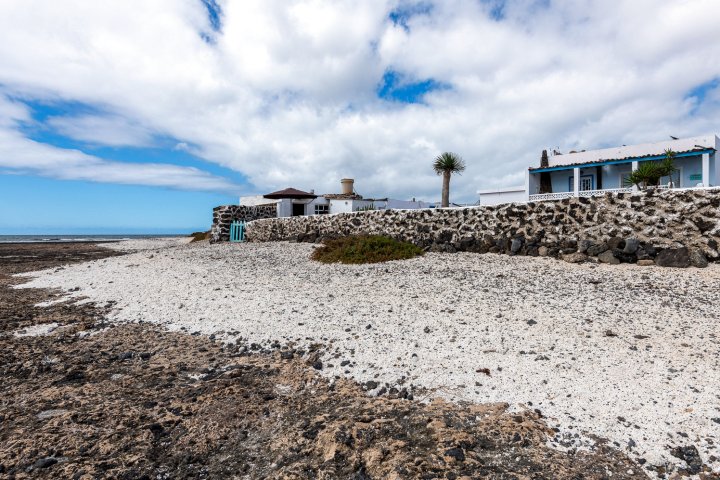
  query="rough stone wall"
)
[
  {"x": 224, "y": 215},
  {"x": 632, "y": 227}
]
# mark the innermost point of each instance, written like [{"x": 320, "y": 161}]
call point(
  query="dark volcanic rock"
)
[
  {"x": 690, "y": 456},
  {"x": 697, "y": 258},
  {"x": 674, "y": 257}
]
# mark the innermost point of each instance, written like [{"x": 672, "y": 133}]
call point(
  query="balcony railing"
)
[{"x": 583, "y": 193}]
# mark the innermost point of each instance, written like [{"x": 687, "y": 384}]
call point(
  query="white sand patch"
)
[
  {"x": 37, "y": 330},
  {"x": 631, "y": 354},
  {"x": 147, "y": 244}
]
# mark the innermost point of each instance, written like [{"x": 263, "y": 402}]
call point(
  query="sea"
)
[{"x": 80, "y": 238}]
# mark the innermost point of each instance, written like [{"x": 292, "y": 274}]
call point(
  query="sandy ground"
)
[
  {"x": 627, "y": 353},
  {"x": 82, "y": 398}
]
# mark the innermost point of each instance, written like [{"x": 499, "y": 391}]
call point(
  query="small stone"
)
[
  {"x": 543, "y": 251},
  {"x": 317, "y": 365},
  {"x": 531, "y": 322},
  {"x": 608, "y": 257},
  {"x": 697, "y": 258},
  {"x": 631, "y": 245},
  {"x": 583, "y": 246},
  {"x": 426, "y": 329},
  {"x": 597, "y": 249},
  {"x": 456, "y": 453},
  {"x": 45, "y": 462},
  {"x": 125, "y": 356},
  {"x": 646, "y": 263},
  {"x": 575, "y": 257}
]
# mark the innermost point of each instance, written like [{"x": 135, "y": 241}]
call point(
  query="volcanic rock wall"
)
[
  {"x": 224, "y": 215},
  {"x": 622, "y": 227}
]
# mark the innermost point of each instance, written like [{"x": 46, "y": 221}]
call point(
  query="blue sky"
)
[{"x": 142, "y": 118}]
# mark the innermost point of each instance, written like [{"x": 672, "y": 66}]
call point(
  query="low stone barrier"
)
[
  {"x": 677, "y": 228},
  {"x": 224, "y": 215}
]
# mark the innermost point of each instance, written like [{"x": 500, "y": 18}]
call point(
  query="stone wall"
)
[
  {"x": 613, "y": 228},
  {"x": 224, "y": 215}
]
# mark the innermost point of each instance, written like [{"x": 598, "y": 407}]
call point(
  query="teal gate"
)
[{"x": 237, "y": 231}]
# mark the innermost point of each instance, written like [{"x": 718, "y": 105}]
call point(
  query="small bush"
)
[
  {"x": 199, "y": 236},
  {"x": 365, "y": 249}
]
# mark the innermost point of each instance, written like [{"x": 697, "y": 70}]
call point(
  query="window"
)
[
  {"x": 322, "y": 209},
  {"x": 587, "y": 182}
]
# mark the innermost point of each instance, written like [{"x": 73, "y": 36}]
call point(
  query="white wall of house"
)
[
  {"x": 502, "y": 195},
  {"x": 405, "y": 204},
  {"x": 254, "y": 200}
]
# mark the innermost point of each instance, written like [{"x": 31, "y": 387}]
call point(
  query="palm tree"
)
[
  {"x": 648, "y": 174},
  {"x": 446, "y": 164}
]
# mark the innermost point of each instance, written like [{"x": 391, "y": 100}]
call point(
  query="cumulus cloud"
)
[
  {"x": 285, "y": 92},
  {"x": 20, "y": 155}
]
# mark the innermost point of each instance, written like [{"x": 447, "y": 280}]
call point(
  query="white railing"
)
[
  {"x": 595, "y": 193},
  {"x": 551, "y": 196}
]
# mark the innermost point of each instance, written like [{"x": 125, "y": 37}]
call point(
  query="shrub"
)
[
  {"x": 365, "y": 249},
  {"x": 648, "y": 174},
  {"x": 199, "y": 236}
]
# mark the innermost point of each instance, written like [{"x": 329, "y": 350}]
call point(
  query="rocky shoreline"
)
[{"x": 90, "y": 399}]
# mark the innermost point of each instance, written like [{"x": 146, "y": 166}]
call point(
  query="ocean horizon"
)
[{"x": 55, "y": 238}]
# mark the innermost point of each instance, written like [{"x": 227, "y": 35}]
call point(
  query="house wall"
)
[
  {"x": 657, "y": 219},
  {"x": 499, "y": 197},
  {"x": 405, "y": 204},
  {"x": 690, "y": 166}
]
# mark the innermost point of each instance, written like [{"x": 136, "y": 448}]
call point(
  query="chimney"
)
[{"x": 347, "y": 186}]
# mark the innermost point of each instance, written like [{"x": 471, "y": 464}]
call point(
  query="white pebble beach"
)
[{"x": 626, "y": 353}]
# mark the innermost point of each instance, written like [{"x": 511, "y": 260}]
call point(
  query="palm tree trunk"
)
[{"x": 446, "y": 190}]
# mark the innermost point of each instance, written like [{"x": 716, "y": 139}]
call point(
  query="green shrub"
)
[
  {"x": 199, "y": 236},
  {"x": 365, "y": 249}
]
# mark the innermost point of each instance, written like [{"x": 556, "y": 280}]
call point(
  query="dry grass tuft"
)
[{"x": 365, "y": 249}]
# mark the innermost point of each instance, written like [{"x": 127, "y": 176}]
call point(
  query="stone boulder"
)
[
  {"x": 576, "y": 257},
  {"x": 697, "y": 258},
  {"x": 608, "y": 257},
  {"x": 674, "y": 257}
]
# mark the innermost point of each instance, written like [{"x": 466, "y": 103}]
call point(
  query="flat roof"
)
[{"x": 641, "y": 158}]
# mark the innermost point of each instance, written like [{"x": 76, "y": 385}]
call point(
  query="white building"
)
[
  {"x": 292, "y": 202},
  {"x": 597, "y": 172}
]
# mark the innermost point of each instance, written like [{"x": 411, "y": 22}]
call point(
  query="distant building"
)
[
  {"x": 292, "y": 202},
  {"x": 597, "y": 172}
]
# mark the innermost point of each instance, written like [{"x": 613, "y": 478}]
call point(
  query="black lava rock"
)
[
  {"x": 45, "y": 462},
  {"x": 690, "y": 456},
  {"x": 456, "y": 453},
  {"x": 674, "y": 257}
]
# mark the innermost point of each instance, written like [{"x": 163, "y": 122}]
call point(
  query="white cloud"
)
[
  {"x": 113, "y": 130},
  {"x": 20, "y": 155},
  {"x": 285, "y": 93}
]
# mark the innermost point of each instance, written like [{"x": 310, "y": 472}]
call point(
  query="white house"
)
[
  {"x": 292, "y": 202},
  {"x": 596, "y": 172}
]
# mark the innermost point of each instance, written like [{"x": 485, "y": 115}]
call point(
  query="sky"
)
[{"x": 140, "y": 116}]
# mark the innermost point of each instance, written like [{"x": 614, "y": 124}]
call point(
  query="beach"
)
[{"x": 624, "y": 358}]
